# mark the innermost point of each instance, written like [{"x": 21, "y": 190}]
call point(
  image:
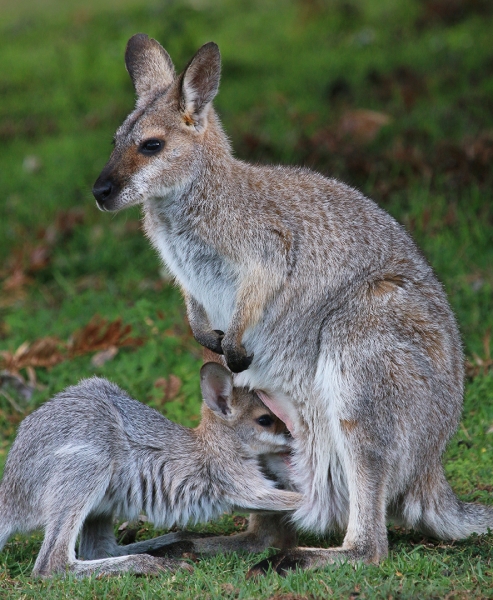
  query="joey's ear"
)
[
  {"x": 200, "y": 84},
  {"x": 216, "y": 383},
  {"x": 149, "y": 65}
]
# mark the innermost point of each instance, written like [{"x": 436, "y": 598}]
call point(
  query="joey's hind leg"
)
[
  {"x": 57, "y": 556},
  {"x": 100, "y": 553},
  {"x": 74, "y": 493}
]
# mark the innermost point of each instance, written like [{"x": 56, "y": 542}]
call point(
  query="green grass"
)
[{"x": 291, "y": 71}]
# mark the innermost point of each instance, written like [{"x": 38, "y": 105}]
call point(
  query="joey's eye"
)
[
  {"x": 150, "y": 147},
  {"x": 265, "y": 421}
]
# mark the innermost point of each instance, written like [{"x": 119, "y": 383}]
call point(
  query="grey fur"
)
[
  {"x": 93, "y": 453},
  {"x": 327, "y": 306}
]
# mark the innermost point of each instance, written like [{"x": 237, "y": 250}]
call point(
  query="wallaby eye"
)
[
  {"x": 265, "y": 421},
  {"x": 150, "y": 147}
]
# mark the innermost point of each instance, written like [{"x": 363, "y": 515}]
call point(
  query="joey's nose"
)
[{"x": 102, "y": 190}]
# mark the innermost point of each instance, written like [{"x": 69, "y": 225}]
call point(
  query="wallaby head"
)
[
  {"x": 158, "y": 147},
  {"x": 241, "y": 411}
]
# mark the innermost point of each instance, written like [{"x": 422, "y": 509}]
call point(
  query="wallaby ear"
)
[
  {"x": 200, "y": 84},
  {"x": 216, "y": 383},
  {"x": 149, "y": 65}
]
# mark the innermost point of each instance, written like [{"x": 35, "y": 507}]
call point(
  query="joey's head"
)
[
  {"x": 240, "y": 413},
  {"x": 158, "y": 148}
]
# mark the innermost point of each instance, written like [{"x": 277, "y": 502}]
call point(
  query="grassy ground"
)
[{"x": 298, "y": 81}]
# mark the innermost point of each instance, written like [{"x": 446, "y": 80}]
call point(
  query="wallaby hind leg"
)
[
  {"x": 366, "y": 536},
  {"x": 57, "y": 551},
  {"x": 432, "y": 508},
  {"x": 138, "y": 564},
  {"x": 264, "y": 531}
]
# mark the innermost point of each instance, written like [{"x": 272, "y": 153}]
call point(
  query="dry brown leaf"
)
[
  {"x": 35, "y": 255},
  {"x": 100, "y": 358},
  {"x": 38, "y": 257},
  {"x": 362, "y": 125},
  {"x": 16, "y": 280},
  {"x": 170, "y": 386},
  {"x": 67, "y": 220},
  {"x": 99, "y": 334},
  {"x": 45, "y": 352},
  {"x": 480, "y": 365}
]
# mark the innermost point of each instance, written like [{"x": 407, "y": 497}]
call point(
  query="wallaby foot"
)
[
  {"x": 264, "y": 531},
  {"x": 310, "y": 558}
]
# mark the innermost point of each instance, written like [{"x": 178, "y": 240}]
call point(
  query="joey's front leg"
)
[{"x": 201, "y": 329}]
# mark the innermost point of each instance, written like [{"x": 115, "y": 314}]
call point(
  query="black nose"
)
[{"x": 102, "y": 190}]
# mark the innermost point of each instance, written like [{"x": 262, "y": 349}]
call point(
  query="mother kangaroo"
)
[{"x": 317, "y": 298}]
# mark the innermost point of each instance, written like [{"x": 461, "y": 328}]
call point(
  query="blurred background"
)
[{"x": 394, "y": 97}]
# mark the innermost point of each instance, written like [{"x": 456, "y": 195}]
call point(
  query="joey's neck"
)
[{"x": 219, "y": 444}]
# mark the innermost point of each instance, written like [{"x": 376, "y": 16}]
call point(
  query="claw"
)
[{"x": 217, "y": 346}]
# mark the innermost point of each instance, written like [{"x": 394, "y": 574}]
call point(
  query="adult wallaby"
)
[
  {"x": 93, "y": 453},
  {"x": 322, "y": 296}
]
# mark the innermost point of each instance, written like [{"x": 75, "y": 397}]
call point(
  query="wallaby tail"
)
[{"x": 442, "y": 515}]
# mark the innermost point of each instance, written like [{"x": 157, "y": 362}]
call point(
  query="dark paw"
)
[
  {"x": 238, "y": 361},
  {"x": 211, "y": 340},
  {"x": 216, "y": 346}
]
